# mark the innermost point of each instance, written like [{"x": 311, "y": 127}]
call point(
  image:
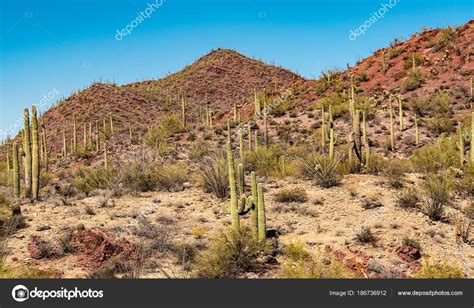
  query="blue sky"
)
[{"x": 54, "y": 47}]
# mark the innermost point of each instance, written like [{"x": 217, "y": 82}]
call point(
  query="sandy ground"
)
[{"x": 329, "y": 220}]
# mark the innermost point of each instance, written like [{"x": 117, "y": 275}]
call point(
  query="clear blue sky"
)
[{"x": 64, "y": 45}]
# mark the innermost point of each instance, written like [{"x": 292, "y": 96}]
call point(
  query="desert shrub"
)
[
  {"x": 465, "y": 184},
  {"x": 439, "y": 270},
  {"x": 446, "y": 36},
  {"x": 338, "y": 103},
  {"x": 298, "y": 263},
  {"x": 158, "y": 135},
  {"x": 214, "y": 176},
  {"x": 264, "y": 161},
  {"x": 469, "y": 210},
  {"x": 395, "y": 170},
  {"x": 408, "y": 199},
  {"x": 89, "y": 211},
  {"x": 376, "y": 163},
  {"x": 435, "y": 157},
  {"x": 408, "y": 64},
  {"x": 437, "y": 194},
  {"x": 365, "y": 235},
  {"x": 414, "y": 80},
  {"x": 323, "y": 170},
  {"x": 138, "y": 176},
  {"x": 230, "y": 255},
  {"x": 4, "y": 200},
  {"x": 87, "y": 179},
  {"x": 440, "y": 124},
  {"x": 286, "y": 195},
  {"x": 406, "y": 241},
  {"x": 172, "y": 177}
]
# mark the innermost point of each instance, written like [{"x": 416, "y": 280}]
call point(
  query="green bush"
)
[
  {"x": 264, "y": 161},
  {"x": 435, "y": 157},
  {"x": 286, "y": 195},
  {"x": 437, "y": 192},
  {"x": 414, "y": 80},
  {"x": 230, "y": 255},
  {"x": 87, "y": 179},
  {"x": 439, "y": 270},
  {"x": 138, "y": 176}
]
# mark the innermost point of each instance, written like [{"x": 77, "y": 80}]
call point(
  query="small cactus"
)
[
  {"x": 85, "y": 137},
  {"x": 16, "y": 172},
  {"x": 234, "y": 109},
  {"x": 257, "y": 103},
  {"x": 97, "y": 136},
  {"x": 241, "y": 145},
  {"x": 89, "y": 142}
]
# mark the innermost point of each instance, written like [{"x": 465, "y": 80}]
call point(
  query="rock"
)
[
  {"x": 43, "y": 228},
  {"x": 156, "y": 200},
  {"x": 408, "y": 253},
  {"x": 187, "y": 185},
  {"x": 272, "y": 233},
  {"x": 374, "y": 266}
]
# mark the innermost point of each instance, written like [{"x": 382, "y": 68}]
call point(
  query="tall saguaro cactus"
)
[
  {"x": 234, "y": 214},
  {"x": 27, "y": 151},
  {"x": 74, "y": 135},
  {"x": 16, "y": 172},
  {"x": 254, "y": 211},
  {"x": 45, "y": 147},
  {"x": 400, "y": 113},
  {"x": 64, "y": 144},
  {"x": 8, "y": 162},
  {"x": 323, "y": 128},
  {"x": 35, "y": 155},
  {"x": 262, "y": 227}
]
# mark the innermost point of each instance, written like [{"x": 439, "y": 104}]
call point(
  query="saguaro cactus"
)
[
  {"x": 234, "y": 109},
  {"x": 265, "y": 123},
  {"x": 417, "y": 133},
  {"x": 45, "y": 147},
  {"x": 241, "y": 178},
  {"x": 365, "y": 139},
  {"x": 35, "y": 155},
  {"x": 472, "y": 137},
  {"x": 254, "y": 210},
  {"x": 106, "y": 162},
  {"x": 331, "y": 143},
  {"x": 392, "y": 134},
  {"x": 111, "y": 120},
  {"x": 400, "y": 113},
  {"x": 27, "y": 151},
  {"x": 241, "y": 145},
  {"x": 8, "y": 162},
  {"x": 16, "y": 172},
  {"x": 234, "y": 214},
  {"x": 460, "y": 143},
  {"x": 97, "y": 136},
  {"x": 64, "y": 144},
  {"x": 262, "y": 227},
  {"x": 74, "y": 135},
  {"x": 323, "y": 128},
  {"x": 85, "y": 137},
  {"x": 256, "y": 102},
  {"x": 89, "y": 142}
]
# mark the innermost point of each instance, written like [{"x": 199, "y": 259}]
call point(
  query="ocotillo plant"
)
[
  {"x": 35, "y": 155},
  {"x": 74, "y": 135},
  {"x": 400, "y": 113},
  {"x": 16, "y": 172},
  {"x": 460, "y": 143},
  {"x": 417, "y": 133},
  {"x": 392, "y": 135},
  {"x": 27, "y": 151}
]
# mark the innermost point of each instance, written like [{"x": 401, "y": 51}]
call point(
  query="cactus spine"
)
[
  {"x": 27, "y": 150},
  {"x": 16, "y": 172},
  {"x": 417, "y": 133},
  {"x": 35, "y": 155},
  {"x": 392, "y": 135},
  {"x": 262, "y": 228},
  {"x": 460, "y": 143},
  {"x": 233, "y": 191},
  {"x": 254, "y": 210}
]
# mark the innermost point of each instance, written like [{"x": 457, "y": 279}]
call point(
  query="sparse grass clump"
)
[
  {"x": 323, "y": 170},
  {"x": 439, "y": 270},
  {"x": 286, "y": 195},
  {"x": 408, "y": 199},
  {"x": 395, "y": 170},
  {"x": 437, "y": 190},
  {"x": 406, "y": 241},
  {"x": 435, "y": 157},
  {"x": 365, "y": 235},
  {"x": 230, "y": 255},
  {"x": 213, "y": 174},
  {"x": 138, "y": 176},
  {"x": 301, "y": 264},
  {"x": 172, "y": 177}
]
